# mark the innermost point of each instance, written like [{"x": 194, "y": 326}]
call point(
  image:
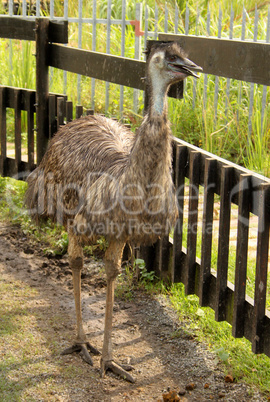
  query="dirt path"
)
[{"x": 143, "y": 329}]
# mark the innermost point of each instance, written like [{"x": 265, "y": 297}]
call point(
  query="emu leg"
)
[
  {"x": 76, "y": 264},
  {"x": 113, "y": 257}
]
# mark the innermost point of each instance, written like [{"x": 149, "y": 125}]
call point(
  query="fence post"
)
[
  {"x": 3, "y": 131},
  {"x": 261, "y": 271},
  {"x": 42, "y": 85}
]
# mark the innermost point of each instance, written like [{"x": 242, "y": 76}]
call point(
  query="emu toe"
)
[
  {"x": 82, "y": 348},
  {"x": 121, "y": 371}
]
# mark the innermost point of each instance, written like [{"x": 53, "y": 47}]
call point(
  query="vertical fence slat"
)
[
  {"x": 244, "y": 196},
  {"x": 228, "y": 79},
  {"x": 51, "y": 9},
  {"x": 252, "y": 85},
  {"x": 65, "y": 73},
  {"x": 108, "y": 46},
  {"x": 166, "y": 19},
  {"x": 176, "y": 19},
  {"x": 94, "y": 39},
  {"x": 60, "y": 111},
  {"x": 123, "y": 35},
  {"x": 24, "y": 8},
  {"x": 69, "y": 111},
  {"x": 261, "y": 269},
  {"x": 52, "y": 114},
  {"x": 163, "y": 258},
  {"x": 156, "y": 22},
  {"x": 79, "y": 111},
  {"x": 3, "y": 130},
  {"x": 194, "y": 179},
  {"x": 205, "y": 78},
  {"x": 138, "y": 17},
  {"x": 243, "y": 34},
  {"x": 30, "y": 129},
  {"x": 79, "y": 78},
  {"x": 207, "y": 228},
  {"x": 146, "y": 16},
  {"x": 195, "y": 81},
  {"x": 42, "y": 85},
  {"x": 187, "y": 19},
  {"x": 18, "y": 129},
  {"x": 181, "y": 157},
  {"x": 265, "y": 87},
  {"x": 37, "y": 8},
  {"x": 216, "y": 77},
  {"x": 223, "y": 242}
]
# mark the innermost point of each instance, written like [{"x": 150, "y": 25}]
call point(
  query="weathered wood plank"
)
[
  {"x": 3, "y": 130},
  {"x": 241, "y": 257},
  {"x": 24, "y": 29},
  {"x": 207, "y": 228},
  {"x": 101, "y": 66},
  {"x": 79, "y": 111},
  {"x": 18, "y": 130},
  {"x": 163, "y": 258},
  {"x": 30, "y": 129},
  {"x": 194, "y": 180},
  {"x": 261, "y": 271},
  {"x": 223, "y": 242},
  {"x": 180, "y": 165},
  {"x": 69, "y": 111},
  {"x": 60, "y": 112},
  {"x": 52, "y": 115},
  {"x": 42, "y": 85},
  {"x": 245, "y": 61}
]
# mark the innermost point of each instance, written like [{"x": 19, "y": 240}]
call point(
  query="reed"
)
[{"x": 216, "y": 114}]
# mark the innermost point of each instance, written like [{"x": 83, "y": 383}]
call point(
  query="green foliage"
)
[
  {"x": 224, "y": 132},
  {"x": 234, "y": 353},
  {"x": 146, "y": 278},
  {"x": 12, "y": 209}
]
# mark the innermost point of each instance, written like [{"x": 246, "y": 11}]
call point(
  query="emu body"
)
[{"x": 98, "y": 178}]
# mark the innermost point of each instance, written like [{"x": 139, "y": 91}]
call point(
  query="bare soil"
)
[{"x": 143, "y": 335}]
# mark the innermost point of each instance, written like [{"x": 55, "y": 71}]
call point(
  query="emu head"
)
[{"x": 168, "y": 63}]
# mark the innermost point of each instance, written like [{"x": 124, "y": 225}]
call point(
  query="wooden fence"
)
[{"x": 233, "y": 184}]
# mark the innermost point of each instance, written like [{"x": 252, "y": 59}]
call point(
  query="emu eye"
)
[{"x": 172, "y": 58}]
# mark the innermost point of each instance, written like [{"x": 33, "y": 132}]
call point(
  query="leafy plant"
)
[{"x": 145, "y": 277}]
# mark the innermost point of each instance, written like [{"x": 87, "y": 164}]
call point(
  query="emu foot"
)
[
  {"x": 122, "y": 370},
  {"x": 82, "y": 348}
]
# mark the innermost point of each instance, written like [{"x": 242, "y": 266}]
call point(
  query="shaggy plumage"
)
[{"x": 98, "y": 178}]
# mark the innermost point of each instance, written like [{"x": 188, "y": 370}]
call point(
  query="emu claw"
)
[
  {"x": 82, "y": 348},
  {"x": 122, "y": 371}
]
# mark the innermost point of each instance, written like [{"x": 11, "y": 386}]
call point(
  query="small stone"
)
[
  {"x": 190, "y": 387},
  {"x": 228, "y": 378},
  {"x": 170, "y": 396},
  {"x": 221, "y": 394},
  {"x": 181, "y": 391},
  {"x": 206, "y": 386}
]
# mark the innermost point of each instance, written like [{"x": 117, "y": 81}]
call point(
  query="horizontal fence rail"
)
[
  {"x": 115, "y": 69},
  {"x": 24, "y": 29},
  {"x": 245, "y": 61}
]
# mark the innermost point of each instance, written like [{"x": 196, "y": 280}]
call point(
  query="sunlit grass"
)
[{"x": 222, "y": 131}]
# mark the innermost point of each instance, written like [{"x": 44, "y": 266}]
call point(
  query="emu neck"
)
[
  {"x": 150, "y": 157},
  {"x": 158, "y": 97}
]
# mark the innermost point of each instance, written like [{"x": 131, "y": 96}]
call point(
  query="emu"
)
[{"x": 98, "y": 178}]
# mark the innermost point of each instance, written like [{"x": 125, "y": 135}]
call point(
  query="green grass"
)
[{"x": 236, "y": 355}]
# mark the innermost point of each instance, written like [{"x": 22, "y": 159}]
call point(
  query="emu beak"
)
[
  {"x": 187, "y": 67},
  {"x": 191, "y": 67}
]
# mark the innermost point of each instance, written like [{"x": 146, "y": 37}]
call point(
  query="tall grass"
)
[{"x": 223, "y": 131}]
